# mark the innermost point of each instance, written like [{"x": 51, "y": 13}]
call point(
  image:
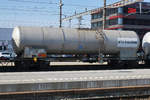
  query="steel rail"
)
[{"x": 75, "y": 90}]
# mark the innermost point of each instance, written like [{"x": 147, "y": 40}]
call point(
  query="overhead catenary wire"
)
[
  {"x": 19, "y": 9},
  {"x": 43, "y": 8},
  {"x": 66, "y": 4},
  {"x": 29, "y": 1}
]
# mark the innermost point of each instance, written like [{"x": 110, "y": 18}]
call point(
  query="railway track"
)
[{"x": 47, "y": 94}]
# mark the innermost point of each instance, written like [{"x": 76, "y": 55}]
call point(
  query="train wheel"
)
[
  {"x": 44, "y": 66},
  {"x": 116, "y": 64},
  {"x": 131, "y": 64},
  {"x": 113, "y": 62},
  {"x": 147, "y": 62},
  {"x": 21, "y": 66}
]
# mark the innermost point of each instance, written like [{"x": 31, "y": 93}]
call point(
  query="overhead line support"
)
[{"x": 60, "y": 13}]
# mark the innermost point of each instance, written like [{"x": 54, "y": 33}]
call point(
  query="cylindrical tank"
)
[
  {"x": 115, "y": 40},
  {"x": 73, "y": 41},
  {"x": 146, "y": 43}
]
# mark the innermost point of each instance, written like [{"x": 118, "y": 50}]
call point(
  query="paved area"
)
[
  {"x": 74, "y": 85},
  {"x": 72, "y": 76},
  {"x": 68, "y": 80}
]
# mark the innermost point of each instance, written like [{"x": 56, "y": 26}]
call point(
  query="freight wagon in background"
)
[
  {"x": 34, "y": 44},
  {"x": 146, "y": 48}
]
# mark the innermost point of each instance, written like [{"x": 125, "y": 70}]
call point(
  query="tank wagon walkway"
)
[{"x": 74, "y": 85}]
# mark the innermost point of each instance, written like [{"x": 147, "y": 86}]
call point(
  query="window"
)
[
  {"x": 113, "y": 22},
  {"x": 94, "y": 25},
  {"x": 100, "y": 24},
  {"x": 99, "y": 15},
  {"x": 136, "y": 22},
  {"x": 94, "y": 16}
]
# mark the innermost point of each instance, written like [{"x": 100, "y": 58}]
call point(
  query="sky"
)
[{"x": 45, "y": 12}]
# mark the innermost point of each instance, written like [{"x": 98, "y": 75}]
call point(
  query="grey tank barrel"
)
[
  {"x": 146, "y": 43},
  {"x": 73, "y": 41}
]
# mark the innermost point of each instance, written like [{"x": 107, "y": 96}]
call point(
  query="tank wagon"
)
[
  {"x": 33, "y": 44},
  {"x": 146, "y": 47}
]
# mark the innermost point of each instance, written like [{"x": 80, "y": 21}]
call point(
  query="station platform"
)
[
  {"x": 71, "y": 81},
  {"x": 35, "y": 81}
]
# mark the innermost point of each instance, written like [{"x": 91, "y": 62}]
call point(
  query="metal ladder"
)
[{"x": 100, "y": 35}]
